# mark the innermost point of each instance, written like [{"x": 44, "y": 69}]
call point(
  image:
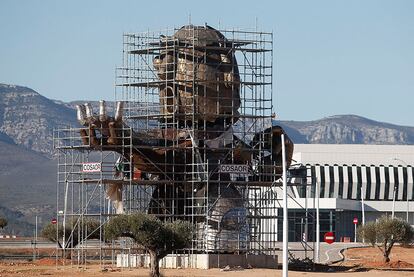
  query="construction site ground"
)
[
  {"x": 357, "y": 262},
  {"x": 371, "y": 257},
  {"x": 36, "y": 269}
]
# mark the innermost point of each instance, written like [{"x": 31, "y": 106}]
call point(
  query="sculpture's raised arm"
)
[{"x": 109, "y": 129}]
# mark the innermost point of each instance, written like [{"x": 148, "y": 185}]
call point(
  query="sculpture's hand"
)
[
  {"x": 103, "y": 132},
  {"x": 108, "y": 128}
]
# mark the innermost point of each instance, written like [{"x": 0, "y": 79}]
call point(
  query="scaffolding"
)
[{"x": 196, "y": 143}]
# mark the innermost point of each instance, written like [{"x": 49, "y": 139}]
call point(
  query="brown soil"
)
[
  {"x": 357, "y": 260},
  {"x": 51, "y": 262},
  {"x": 395, "y": 264},
  {"x": 33, "y": 269},
  {"x": 370, "y": 257},
  {"x": 400, "y": 264}
]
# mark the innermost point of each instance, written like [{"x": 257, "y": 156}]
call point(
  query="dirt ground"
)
[
  {"x": 360, "y": 262},
  {"x": 94, "y": 270},
  {"x": 34, "y": 269},
  {"x": 371, "y": 257}
]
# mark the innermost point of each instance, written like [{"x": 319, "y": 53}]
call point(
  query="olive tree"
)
[
  {"x": 54, "y": 232},
  {"x": 385, "y": 233},
  {"x": 148, "y": 232},
  {"x": 3, "y": 222}
]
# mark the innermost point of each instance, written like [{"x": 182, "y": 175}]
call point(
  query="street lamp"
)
[
  {"x": 408, "y": 203},
  {"x": 362, "y": 210},
  {"x": 285, "y": 211}
]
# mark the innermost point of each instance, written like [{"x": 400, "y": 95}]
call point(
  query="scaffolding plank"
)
[
  {"x": 156, "y": 50},
  {"x": 180, "y": 82}
]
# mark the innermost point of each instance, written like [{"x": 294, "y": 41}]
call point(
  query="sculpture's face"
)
[{"x": 200, "y": 73}]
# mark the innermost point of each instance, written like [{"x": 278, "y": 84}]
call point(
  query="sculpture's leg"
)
[{"x": 114, "y": 193}]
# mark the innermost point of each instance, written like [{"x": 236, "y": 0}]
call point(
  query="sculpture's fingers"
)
[
  {"x": 81, "y": 114},
  {"x": 102, "y": 111},
  {"x": 90, "y": 117},
  {"x": 89, "y": 110},
  {"x": 119, "y": 111},
  {"x": 104, "y": 119}
]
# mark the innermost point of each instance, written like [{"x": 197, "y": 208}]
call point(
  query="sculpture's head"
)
[{"x": 201, "y": 76}]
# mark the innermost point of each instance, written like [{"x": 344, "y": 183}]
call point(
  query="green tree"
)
[
  {"x": 3, "y": 222},
  {"x": 151, "y": 234},
  {"x": 385, "y": 233},
  {"x": 55, "y": 234}
]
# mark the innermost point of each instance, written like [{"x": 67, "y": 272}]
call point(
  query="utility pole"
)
[
  {"x": 355, "y": 232},
  {"x": 363, "y": 210},
  {"x": 393, "y": 203},
  {"x": 318, "y": 231},
  {"x": 35, "y": 240},
  {"x": 285, "y": 211},
  {"x": 64, "y": 217}
]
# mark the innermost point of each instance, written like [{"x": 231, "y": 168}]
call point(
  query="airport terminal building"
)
[{"x": 345, "y": 177}]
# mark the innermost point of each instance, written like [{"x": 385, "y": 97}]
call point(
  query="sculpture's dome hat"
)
[{"x": 200, "y": 35}]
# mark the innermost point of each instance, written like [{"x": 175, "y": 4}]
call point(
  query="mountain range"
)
[
  {"x": 28, "y": 168},
  {"x": 348, "y": 129}
]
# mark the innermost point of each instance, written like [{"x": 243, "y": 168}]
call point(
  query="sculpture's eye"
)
[{"x": 157, "y": 59}]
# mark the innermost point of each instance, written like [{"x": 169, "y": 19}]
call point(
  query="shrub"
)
[
  {"x": 151, "y": 234},
  {"x": 3, "y": 222},
  {"x": 385, "y": 232}
]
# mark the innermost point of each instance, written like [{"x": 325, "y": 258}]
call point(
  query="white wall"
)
[{"x": 359, "y": 154}]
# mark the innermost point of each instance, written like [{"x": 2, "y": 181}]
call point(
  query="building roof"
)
[{"x": 354, "y": 154}]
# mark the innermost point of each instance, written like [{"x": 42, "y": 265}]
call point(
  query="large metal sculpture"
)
[{"x": 199, "y": 91}]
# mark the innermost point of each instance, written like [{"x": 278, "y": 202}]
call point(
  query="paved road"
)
[
  {"x": 328, "y": 253},
  {"x": 332, "y": 253},
  {"x": 25, "y": 244}
]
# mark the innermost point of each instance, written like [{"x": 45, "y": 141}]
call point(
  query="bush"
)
[
  {"x": 3, "y": 222},
  {"x": 151, "y": 234},
  {"x": 385, "y": 232},
  {"x": 55, "y": 234}
]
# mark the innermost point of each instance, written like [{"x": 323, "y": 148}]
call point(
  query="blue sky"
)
[{"x": 331, "y": 57}]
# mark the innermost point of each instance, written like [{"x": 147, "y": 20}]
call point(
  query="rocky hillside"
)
[
  {"x": 27, "y": 168},
  {"x": 27, "y": 174},
  {"x": 348, "y": 129},
  {"x": 27, "y": 187},
  {"x": 28, "y": 171},
  {"x": 28, "y": 118}
]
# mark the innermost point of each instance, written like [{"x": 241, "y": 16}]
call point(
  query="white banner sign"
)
[
  {"x": 235, "y": 168},
  {"x": 91, "y": 167}
]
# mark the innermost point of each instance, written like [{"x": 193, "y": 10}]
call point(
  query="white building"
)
[{"x": 344, "y": 175}]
